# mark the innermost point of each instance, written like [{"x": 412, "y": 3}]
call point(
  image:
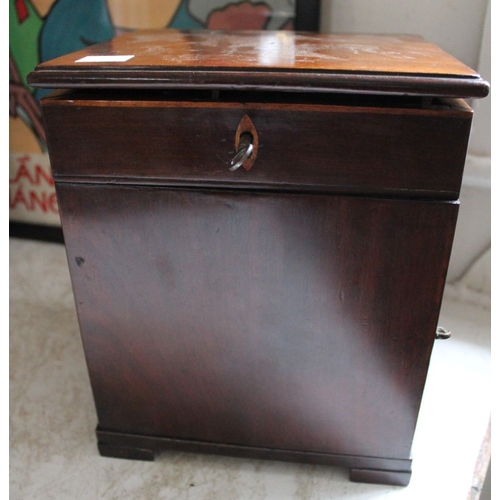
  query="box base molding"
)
[{"x": 363, "y": 469}]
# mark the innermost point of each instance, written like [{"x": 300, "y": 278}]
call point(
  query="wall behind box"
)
[{"x": 463, "y": 29}]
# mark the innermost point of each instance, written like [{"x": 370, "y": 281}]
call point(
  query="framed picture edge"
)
[
  {"x": 307, "y": 14},
  {"x": 37, "y": 232}
]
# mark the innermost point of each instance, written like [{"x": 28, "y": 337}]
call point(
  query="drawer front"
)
[{"x": 405, "y": 152}]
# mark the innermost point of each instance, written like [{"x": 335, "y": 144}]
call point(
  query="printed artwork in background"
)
[{"x": 40, "y": 30}]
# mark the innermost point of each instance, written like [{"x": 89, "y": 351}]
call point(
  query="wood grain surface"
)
[
  {"x": 293, "y": 322},
  {"x": 336, "y": 148},
  {"x": 401, "y": 64},
  {"x": 287, "y": 311}
]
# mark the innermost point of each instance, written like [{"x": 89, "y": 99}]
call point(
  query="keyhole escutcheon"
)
[{"x": 246, "y": 145}]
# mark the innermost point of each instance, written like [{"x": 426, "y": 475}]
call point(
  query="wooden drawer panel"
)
[{"x": 345, "y": 149}]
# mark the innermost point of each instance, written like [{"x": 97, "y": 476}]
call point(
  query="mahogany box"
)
[{"x": 258, "y": 227}]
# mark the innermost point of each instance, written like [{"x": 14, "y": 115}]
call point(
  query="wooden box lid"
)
[{"x": 264, "y": 60}]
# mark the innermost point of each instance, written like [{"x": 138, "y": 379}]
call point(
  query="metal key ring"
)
[{"x": 244, "y": 152}]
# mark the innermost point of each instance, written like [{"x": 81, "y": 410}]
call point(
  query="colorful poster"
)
[{"x": 43, "y": 29}]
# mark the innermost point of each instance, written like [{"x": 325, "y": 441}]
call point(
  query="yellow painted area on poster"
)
[
  {"x": 42, "y": 6},
  {"x": 21, "y": 137},
  {"x": 147, "y": 14}
]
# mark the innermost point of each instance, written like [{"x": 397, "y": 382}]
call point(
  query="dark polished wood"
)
[
  {"x": 286, "y": 310},
  {"x": 396, "y": 478},
  {"x": 286, "y": 60},
  {"x": 192, "y": 144},
  {"x": 362, "y": 469},
  {"x": 257, "y": 319}
]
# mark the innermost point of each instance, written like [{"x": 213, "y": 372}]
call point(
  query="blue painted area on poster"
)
[
  {"x": 71, "y": 26},
  {"x": 183, "y": 19}
]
